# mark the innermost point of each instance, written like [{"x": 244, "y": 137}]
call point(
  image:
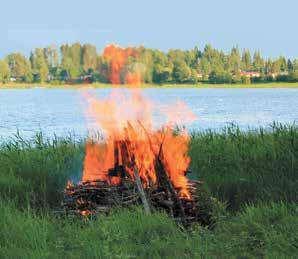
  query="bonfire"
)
[{"x": 135, "y": 162}]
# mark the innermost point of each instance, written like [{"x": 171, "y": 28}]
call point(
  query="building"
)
[
  {"x": 13, "y": 79},
  {"x": 250, "y": 74}
]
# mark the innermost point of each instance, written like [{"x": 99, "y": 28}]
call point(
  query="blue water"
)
[{"x": 61, "y": 111}]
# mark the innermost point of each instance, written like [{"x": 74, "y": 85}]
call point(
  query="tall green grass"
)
[
  {"x": 239, "y": 167},
  {"x": 268, "y": 231},
  {"x": 37, "y": 170},
  {"x": 255, "y": 173},
  {"x": 243, "y": 167}
]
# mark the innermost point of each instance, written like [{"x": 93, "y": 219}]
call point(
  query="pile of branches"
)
[{"x": 91, "y": 198}]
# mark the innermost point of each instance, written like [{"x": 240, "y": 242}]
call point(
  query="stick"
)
[
  {"x": 142, "y": 192},
  {"x": 164, "y": 175}
]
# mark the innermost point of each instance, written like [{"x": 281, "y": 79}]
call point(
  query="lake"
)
[{"x": 62, "y": 111}]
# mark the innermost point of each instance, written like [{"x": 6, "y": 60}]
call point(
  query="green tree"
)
[
  {"x": 161, "y": 74},
  {"x": 220, "y": 78},
  {"x": 146, "y": 57},
  {"x": 89, "y": 57},
  {"x": 268, "y": 66},
  {"x": 258, "y": 62},
  {"x": 20, "y": 67},
  {"x": 204, "y": 66},
  {"x": 71, "y": 60},
  {"x": 4, "y": 71},
  {"x": 39, "y": 65},
  {"x": 246, "y": 63},
  {"x": 234, "y": 60},
  {"x": 293, "y": 75},
  {"x": 290, "y": 65},
  {"x": 211, "y": 60},
  {"x": 102, "y": 70},
  {"x": 245, "y": 80},
  {"x": 51, "y": 56},
  {"x": 191, "y": 58},
  {"x": 283, "y": 64},
  {"x": 295, "y": 64},
  {"x": 276, "y": 67},
  {"x": 181, "y": 72},
  {"x": 162, "y": 67}
]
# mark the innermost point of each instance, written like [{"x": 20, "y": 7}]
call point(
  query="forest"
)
[{"x": 82, "y": 63}]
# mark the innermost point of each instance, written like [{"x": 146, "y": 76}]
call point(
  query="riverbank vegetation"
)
[
  {"x": 80, "y": 64},
  {"x": 252, "y": 174},
  {"x": 97, "y": 85}
]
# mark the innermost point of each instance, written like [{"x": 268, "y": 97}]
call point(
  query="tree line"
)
[{"x": 78, "y": 63}]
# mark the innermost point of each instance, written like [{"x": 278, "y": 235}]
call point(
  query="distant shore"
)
[{"x": 102, "y": 85}]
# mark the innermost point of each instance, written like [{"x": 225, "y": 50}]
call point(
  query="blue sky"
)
[{"x": 268, "y": 26}]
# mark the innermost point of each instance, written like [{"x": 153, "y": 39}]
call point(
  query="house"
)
[
  {"x": 50, "y": 77},
  {"x": 199, "y": 75},
  {"x": 250, "y": 74},
  {"x": 282, "y": 73}
]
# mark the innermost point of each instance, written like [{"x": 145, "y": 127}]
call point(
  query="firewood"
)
[
  {"x": 142, "y": 192},
  {"x": 99, "y": 197}
]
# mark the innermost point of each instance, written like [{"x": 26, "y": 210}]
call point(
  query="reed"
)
[
  {"x": 253, "y": 172},
  {"x": 263, "y": 231},
  {"x": 248, "y": 166}
]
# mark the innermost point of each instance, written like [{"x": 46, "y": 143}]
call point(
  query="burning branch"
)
[
  {"x": 142, "y": 192},
  {"x": 99, "y": 197},
  {"x": 135, "y": 164},
  {"x": 163, "y": 176}
]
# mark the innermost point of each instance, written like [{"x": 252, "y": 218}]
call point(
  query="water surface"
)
[{"x": 61, "y": 111}]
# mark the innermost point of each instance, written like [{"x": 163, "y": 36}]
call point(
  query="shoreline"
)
[{"x": 155, "y": 86}]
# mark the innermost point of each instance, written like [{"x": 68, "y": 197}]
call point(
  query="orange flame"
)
[
  {"x": 129, "y": 137},
  {"x": 130, "y": 142},
  {"x": 119, "y": 59}
]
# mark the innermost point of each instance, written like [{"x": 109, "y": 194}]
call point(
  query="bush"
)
[
  {"x": 245, "y": 80},
  {"x": 220, "y": 78},
  {"x": 293, "y": 76}
]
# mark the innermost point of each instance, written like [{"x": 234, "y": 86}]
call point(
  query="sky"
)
[{"x": 266, "y": 25}]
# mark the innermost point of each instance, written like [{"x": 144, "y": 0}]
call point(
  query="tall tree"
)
[
  {"x": 181, "y": 72},
  {"x": 268, "y": 66},
  {"x": 204, "y": 66},
  {"x": 89, "y": 57},
  {"x": 258, "y": 62},
  {"x": 52, "y": 57},
  {"x": 20, "y": 67},
  {"x": 4, "y": 71},
  {"x": 71, "y": 60},
  {"x": 279, "y": 65},
  {"x": 290, "y": 65},
  {"x": 246, "y": 63},
  {"x": 295, "y": 65},
  {"x": 39, "y": 65},
  {"x": 146, "y": 58},
  {"x": 162, "y": 67},
  {"x": 234, "y": 60}
]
